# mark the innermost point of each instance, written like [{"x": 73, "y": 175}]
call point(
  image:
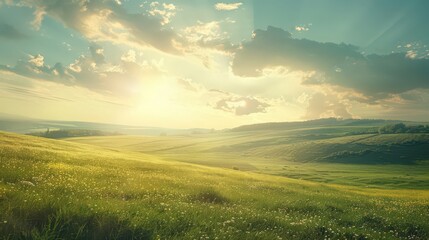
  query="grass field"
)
[
  {"x": 330, "y": 154},
  {"x": 130, "y": 187}
]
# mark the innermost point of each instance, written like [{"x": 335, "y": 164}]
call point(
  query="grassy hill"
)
[
  {"x": 324, "y": 122},
  {"x": 58, "y": 134},
  {"x": 18, "y": 124},
  {"x": 53, "y": 189},
  {"x": 332, "y": 154}
]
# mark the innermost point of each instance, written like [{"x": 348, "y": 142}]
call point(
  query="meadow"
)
[
  {"x": 289, "y": 184},
  {"x": 339, "y": 155}
]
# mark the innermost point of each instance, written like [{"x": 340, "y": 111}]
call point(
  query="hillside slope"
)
[
  {"x": 55, "y": 189},
  {"x": 324, "y": 122},
  {"x": 328, "y": 154}
]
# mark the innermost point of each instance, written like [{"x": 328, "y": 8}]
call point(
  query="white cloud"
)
[
  {"x": 189, "y": 85},
  {"x": 101, "y": 20},
  {"x": 226, "y": 101},
  {"x": 130, "y": 56},
  {"x": 164, "y": 11},
  {"x": 204, "y": 32},
  {"x": 323, "y": 105},
  {"x": 207, "y": 35},
  {"x": 91, "y": 72},
  {"x": 301, "y": 28},
  {"x": 227, "y": 6},
  {"x": 411, "y": 54},
  {"x": 169, "y": 6},
  {"x": 241, "y": 105},
  {"x": 37, "y": 60},
  {"x": 39, "y": 13}
]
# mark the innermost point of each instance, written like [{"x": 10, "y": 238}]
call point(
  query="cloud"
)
[
  {"x": 37, "y": 61},
  {"x": 275, "y": 47},
  {"x": 121, "y": 79},
  {"x": 130, "y": 56},
  {"x": 88, "y": 71},
  {"x": 164, "y": 11},
  {"x": 97, "y": 53},
  {"x": 204, "y": 32},
  {"x": 189, "y": 85},
  {"x": 226, "y": 101},
  {"x": 109, "y": 21},
  {"x": 302, "y": 28},
  {"x": 375, "y": 76},
  {"x": 324, "y": 106},
  {"x": 39, "y": 14},
  {"x": 411, "y": 54},
  {"x": 299, "y": 28},
  {"x": 36, "y": 68},
  {"x": 227, "y": 6},
  {"x": 208, "y": 35},
  {"x": 241, "y": 105},
  {"x": 100, "y": 20},
  {"x": 9, "y": 32}
]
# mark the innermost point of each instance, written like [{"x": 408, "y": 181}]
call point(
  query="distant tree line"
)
[
  {"x": 71, "y": 133},
  {"x": 402, "y": 128}
]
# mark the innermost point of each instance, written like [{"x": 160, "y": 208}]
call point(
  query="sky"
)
[{"x": 214, "y": 64}]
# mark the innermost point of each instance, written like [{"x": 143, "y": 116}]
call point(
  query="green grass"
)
[
  {"x": 52, "y": 189},
  {"x": 329, "y": 155}
]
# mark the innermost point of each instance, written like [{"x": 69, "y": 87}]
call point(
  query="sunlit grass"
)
[
  {"x": 329, "y": 155},
  {"x": 53, "y": 189}
]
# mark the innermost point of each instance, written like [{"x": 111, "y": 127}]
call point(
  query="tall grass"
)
[{"x": 85, "y": 192}]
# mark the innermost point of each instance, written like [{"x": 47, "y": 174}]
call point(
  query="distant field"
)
[
  {"x": 54, "y": 189},
  {"x": 340, "y": 155}
]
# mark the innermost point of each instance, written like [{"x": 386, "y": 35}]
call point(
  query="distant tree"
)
[
  {"x": 402, "y": 128},
  {"x": 72, "y": 133}
]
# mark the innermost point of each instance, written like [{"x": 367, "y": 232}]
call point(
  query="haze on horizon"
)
[{"x": 193, "y": 63}]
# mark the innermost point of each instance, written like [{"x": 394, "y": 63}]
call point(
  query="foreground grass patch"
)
[{"x": 58, "y": 190}]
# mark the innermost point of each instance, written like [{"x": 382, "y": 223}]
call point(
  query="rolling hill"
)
[
  {"x": 352, "y": 154},
  {"x": 54, "y": 189},
  {"x": 18, "y": 124}
]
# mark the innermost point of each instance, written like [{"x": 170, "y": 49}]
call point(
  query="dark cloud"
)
[
  {"x": 376, "y": 76},
  {"x": 241, "y": 105},
  {"x": 381, "y": 75},
  {"x": 276, "y": 47},
  {"x": 8, "y": 31}
]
